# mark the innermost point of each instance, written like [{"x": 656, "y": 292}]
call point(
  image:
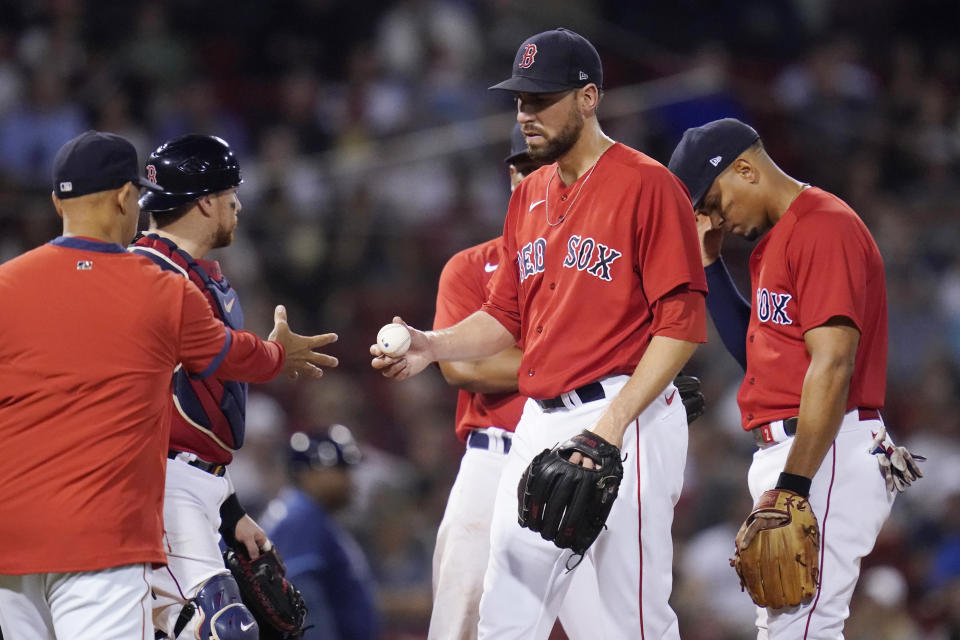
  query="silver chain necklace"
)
[{"x": 546, "y": 195}]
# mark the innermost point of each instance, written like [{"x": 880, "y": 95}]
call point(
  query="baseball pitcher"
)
[{"x": 605, "y": 296}]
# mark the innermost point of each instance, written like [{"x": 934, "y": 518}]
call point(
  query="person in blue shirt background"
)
[{"x": 322, "y": 559}]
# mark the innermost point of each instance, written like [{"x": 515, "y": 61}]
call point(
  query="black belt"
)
[
  {"x": 203, "y": 465},
  {"x": 480, "y": 440},
  {"x": 763, "y": 435},
  {"x": 587, "y": 393}
]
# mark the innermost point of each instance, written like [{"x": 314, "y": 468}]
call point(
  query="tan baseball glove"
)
[{"x": 778, "y": 551}]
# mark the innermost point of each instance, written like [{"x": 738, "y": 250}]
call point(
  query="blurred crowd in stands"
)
[{"x": 371, "y": 152}]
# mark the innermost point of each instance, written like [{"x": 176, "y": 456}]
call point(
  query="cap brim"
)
[
  {"x": 696, "y": 199},
  {"x": 524, "y": 84},
  {"x": 514, "y": 157}
]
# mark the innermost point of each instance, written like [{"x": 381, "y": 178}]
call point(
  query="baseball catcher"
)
[
  {"x": 777, "y": 551},
  {"x": 275, "y": 603},
  {"x": 566, "y": 502}
]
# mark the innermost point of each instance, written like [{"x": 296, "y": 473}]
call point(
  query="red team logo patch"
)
[
  {"x": 152, "y": 173},
  {"x": 528, "y": 53}
]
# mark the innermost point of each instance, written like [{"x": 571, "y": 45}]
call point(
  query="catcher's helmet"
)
[
  {"x": 324, "y": 448},
  {"x": 188, "y": 167}
]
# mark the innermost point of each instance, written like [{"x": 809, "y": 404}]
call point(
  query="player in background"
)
[
  {"x": 488, "y": 409},
  {"x": 323, "y": 560},
  {"x": 814, "y": 347},
  {"x": 195, "y": 212},
  {"x": 92, "y": 335},
  {"x": 605, "y": 296}
]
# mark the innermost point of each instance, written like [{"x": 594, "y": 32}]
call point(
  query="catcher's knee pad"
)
[{"x": 221, "y": 614}]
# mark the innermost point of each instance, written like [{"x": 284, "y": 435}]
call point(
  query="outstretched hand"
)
[
  {"x": 415, "y": 360},
  {"x": 302, "y": 357}
]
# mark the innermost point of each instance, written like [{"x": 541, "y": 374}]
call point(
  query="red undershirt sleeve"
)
[{"x": 682, "y": 315}]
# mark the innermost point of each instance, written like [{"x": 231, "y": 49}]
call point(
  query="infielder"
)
[
  {"x": 605, "y": 296},
  {"x": 194, "y": 213},
  {"x": 815, "y": 354},
  {"x": 92, "y": 334}
]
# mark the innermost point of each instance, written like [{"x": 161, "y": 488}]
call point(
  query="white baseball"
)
[{"x": 394, "y": 339}]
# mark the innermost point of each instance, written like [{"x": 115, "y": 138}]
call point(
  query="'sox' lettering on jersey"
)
[
  {"x": 586, "y": 254},
  {"x": 772, "y": 307},
  {"x": 530, "y": 258}
]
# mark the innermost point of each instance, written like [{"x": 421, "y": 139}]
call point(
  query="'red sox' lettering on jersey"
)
[{"x": 583, "y": 254}]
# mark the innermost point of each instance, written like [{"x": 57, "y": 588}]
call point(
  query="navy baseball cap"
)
[
  {"x": 323, "y": 449},
  {"x": 553, "y": 61},
  {"x": 518, "y": 146},
  {"x": 95, "y": 161},
  {"x": 704, "y": 152}
]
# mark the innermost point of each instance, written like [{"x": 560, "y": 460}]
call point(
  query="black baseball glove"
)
[
  {"x": 274, "y": 601},
  {"x": 693, "y": 400},
  {"x": 568, "y": 503}
]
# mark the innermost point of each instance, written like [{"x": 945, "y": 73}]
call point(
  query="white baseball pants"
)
[
  {"x": 851, "y": 502},
  {"x": 111, "y": 604},
  {"x": 463, "y": 549},
  {"x": 527, "y": 577},
  {"x": 191, "y": 523}
]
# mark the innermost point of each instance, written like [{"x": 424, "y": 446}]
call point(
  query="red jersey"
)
[
  {"x": 91, "y": 335},
  {"x": 462, "y": 290},
  {"x": 591, "y": 260},
  {"x": 817, "y": 262}
]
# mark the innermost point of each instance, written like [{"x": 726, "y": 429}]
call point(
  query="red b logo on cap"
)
[
  {"x": 528, "y": 53},
  {"x": 152, "y": 173}
]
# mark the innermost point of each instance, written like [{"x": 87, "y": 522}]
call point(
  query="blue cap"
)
[
  {"x": 95, "y": 161},
  {"x": 323, "y": 449},
  {"x": 704, "y": 152},
  {"x": 554, "y": 61},
  {"x": 518, "y": 146}
]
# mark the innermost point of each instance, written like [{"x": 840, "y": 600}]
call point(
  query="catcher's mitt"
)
[
  {"x": 275, "y": 603},
  {"x": 693, "y": 400},
  {"x": 778, "y": 550},
  {"x": 565, "y": 502}
]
